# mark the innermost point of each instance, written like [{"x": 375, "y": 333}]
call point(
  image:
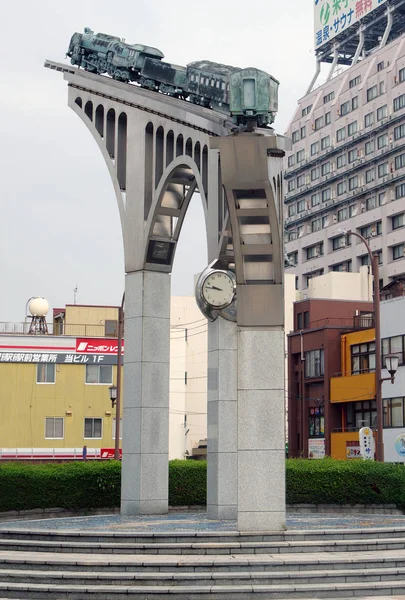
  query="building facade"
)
[
  {"x": 347, "y": 170},
  {"x": 54, "y": 388},
  {"x": 314, "y": 352}
]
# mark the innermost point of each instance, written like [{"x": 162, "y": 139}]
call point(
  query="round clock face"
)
[{"x": 218, "y": 289}]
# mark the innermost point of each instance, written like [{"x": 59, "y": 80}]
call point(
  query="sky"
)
[{"x": 59, "y": 223}]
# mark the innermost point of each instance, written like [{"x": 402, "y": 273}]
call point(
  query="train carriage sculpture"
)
[{"x": 249, "y": 95}]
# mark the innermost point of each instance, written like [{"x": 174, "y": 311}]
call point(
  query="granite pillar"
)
[{"x": 146, "y": 400}]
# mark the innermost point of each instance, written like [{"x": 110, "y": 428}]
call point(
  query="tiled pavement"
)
[{"x": 189, "y": 521}]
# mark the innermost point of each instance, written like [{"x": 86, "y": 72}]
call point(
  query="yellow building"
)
[
  {"x": 353, "y": 392},
  {"x": 54, "y": 388}
]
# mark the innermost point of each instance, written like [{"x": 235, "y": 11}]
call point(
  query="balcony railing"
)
[
  {"x": 357, "y": 322},
  {"x": 74, "y": 330}
]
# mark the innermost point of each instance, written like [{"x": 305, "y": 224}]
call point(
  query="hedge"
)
[{"x": 91, "y": 485}]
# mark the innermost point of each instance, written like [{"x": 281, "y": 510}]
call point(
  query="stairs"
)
[{"x": 204, "y": 565}]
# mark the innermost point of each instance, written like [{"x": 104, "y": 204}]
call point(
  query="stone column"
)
[
  {"x": 261, "y": 438},
  {"x": 146, "y": 399},
  {"x": 222, "y": 420}
]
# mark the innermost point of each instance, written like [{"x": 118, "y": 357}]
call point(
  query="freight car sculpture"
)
[{"x": 248, "y": 95}]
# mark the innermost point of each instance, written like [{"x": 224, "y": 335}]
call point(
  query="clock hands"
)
[{"x": 213, "y": 287}]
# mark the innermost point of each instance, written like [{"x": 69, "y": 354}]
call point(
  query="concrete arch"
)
[
  {"x": 176, "y": 188},
  {"x": 88, "y": 109}
]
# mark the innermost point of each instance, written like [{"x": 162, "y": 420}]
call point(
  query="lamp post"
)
[
  {"x": 115, "y": 390},
  {"x": 377, "y": 325}
]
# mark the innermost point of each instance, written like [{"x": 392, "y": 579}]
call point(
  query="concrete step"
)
[
  {"x": 169, "y": 578},
  {"x": 202, "y": 537},
  {"x": 213, "y": 592},
  {"x": 204, "y": 548}
]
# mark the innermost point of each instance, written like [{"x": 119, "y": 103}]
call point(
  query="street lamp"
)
[
  {"x": 391, "y": 364},
  {"x": 113, "y": 394}
]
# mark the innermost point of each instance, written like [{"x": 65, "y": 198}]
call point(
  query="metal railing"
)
[
  {"x": 74, "y": 330},
  {"x": 357, "y": 322}
]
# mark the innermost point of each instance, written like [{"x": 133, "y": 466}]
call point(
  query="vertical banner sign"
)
[
  {"x": 333, "y": 17},
  {"x": 366, "y": 439}
]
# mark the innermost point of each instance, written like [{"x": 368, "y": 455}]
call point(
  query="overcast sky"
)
[{"x": 59, "y": 224}]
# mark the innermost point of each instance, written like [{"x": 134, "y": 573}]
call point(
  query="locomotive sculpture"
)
[{"x": 249, "y": 95}]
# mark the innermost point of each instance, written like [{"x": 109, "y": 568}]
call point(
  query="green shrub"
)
[
  {"x": 85, "y": 485},
  {"x": 187, "y": 482}
]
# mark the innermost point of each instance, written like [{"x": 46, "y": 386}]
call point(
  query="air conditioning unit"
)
[{"x": 334, "y": 219}]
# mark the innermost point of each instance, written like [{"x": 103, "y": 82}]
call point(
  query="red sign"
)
[
  {"x": 97, "y": 346},
  {"x": 109, "y": 452}
]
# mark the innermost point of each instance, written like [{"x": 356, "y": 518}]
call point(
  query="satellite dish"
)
[{"x": 38, "y": 307}]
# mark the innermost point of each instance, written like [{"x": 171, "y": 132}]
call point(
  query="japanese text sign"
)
[{"x": 333, "y": 17}]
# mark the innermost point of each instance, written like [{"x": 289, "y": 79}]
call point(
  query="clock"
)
[{"x": 218, "y": 288}]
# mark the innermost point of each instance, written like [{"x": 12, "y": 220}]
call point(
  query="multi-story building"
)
[
  {"x": 54, "y": 388},
  {"x": 346, "y": 170}
]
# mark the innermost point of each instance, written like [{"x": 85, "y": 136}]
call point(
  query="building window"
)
[
  {"x": 325, "y": 142},
  {"x": 355, "y": 81},
  {"x": 372, "y": 93},
  {"x": 355, "y": 102},
  {"x": 343, "y": 214},
  {"x": 301, "y": 180},
  {"x": 341, "y": 242},
  {"x": 54, "y": 428},
  {"x": 315, "y": 199},
  {"x": 393, "y": 412},
  {"x": 382, "y": 112},
  {"x": 361, "y": 414},
  {"x": 399, "y": 132},
  {"x": 300, "y": 206},
  {"x": 293, "y": 258},
  {"x": 399, "y": 102},
  {"x": 312, "y": 275},
  {"x": 326, "y": 195},
  {"x": 291, "y": 160},
  {"x": 353, "y": 155},
  {"x": 401, "y": 75},
  {"x": 300, "y": 155},
  {"x": 398, "y": 221},
  {"x": 328, "y": 97},
  {"x": 99, "y": 374},
  {"x": 353, "y": 182},
  {"x": 314, "y": 251},
  {"x": 111, "y": 328},
  {"x": 370, "y": 175},
  {"x": 341, "y": 188},
  {"x": 398, "y": 252},
  {"x": 314, "y": 363},
  {"x": 46, "y": 373},
  {"x": 316, "y": 225},
  {"x": 371, "y": 230},
  {"x": 318, "y": 123},
  {"x": 352, "y": 128},
  {"x": 93, "y": 428},
  {"x": 314, "y": 148},
  {"x": 363, "y": 358},
  {"x": 341, "y": 134},
  {"x": 393, "y": 345},
  {"x": 368, "y": 119},
  {"x": 113, "y": 428},
  {"x": 344, "y": 108},
  {"x": 380, "y": 66},
  {"x": 303, "y": 132},
  {"x": 400, "y": 161},
  {"x": 315, "y": 173},
  {"x": 306, "y": 110},
  {"x": 316, "y": 422},
  {"x": 382, "y": 141},
  {"x": 328, "y": 118},
  {"x": 383, "y": 169},
  {"x": 295, "y": 137},
  {"x": 291, "y": 210},
  {"x": 365, "y": 259},
  {"x": 400, "y": 191},
  {"x": 381, "y": 198},
  {"x": 291, "y": 185},
  {"x": 341, "y": 161},
  {"x": 371, "y": 202},
  {"x": 325, "y": 168},
  {"x": 345, "y": 266},
  {"x": 369, "y": 147}
]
